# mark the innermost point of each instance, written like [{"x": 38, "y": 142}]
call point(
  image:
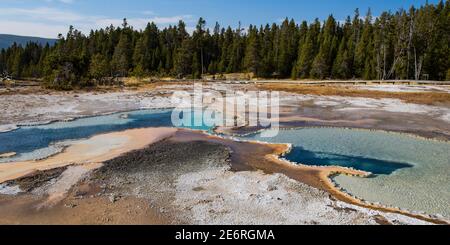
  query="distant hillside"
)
[{"x": 7, "y": 40}]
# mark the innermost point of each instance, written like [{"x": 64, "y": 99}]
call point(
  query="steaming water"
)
[{"x": 409, "y": 172}]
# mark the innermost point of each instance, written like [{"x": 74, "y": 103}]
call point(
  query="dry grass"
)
[
  {"x": 231, "y": 76},
  {"x": 132, "y": 84},
  {"x": 425, "y": 98}
]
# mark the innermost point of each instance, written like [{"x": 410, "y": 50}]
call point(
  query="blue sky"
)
[{"x": 47, "y": 18}]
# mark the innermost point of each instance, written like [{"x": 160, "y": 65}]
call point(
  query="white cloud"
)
[
  {"x": 25, "y": 28},
  {"x": 42, "y": 13},
  {"x": 48, "y": 22}
]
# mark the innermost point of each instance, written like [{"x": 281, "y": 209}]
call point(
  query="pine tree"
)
[
  {"x": 150, "y": 47},
  {"x": 121, "y": 58},
  {"x": 139, "y": 59},
  {"x": 227, "y": 40},
  {"x": 402, "y": 45},
  {"x": 266, "y": 52},
  {"x": 99, "y": 67},
  {"x": 236, "y": 50},
  {"x": 198, "y": 38},
  {"x": 2, "y": 62},
  {"x": 342, "y": 63},
  {"x": 321, "y": 67},
  {"x": 308, "y": 51},
  {"x": 252, "y": 56},
  {"x": 287, "y": 48},
  {"x": 362, "y": 56},
  {"x": 183, "y": 61},
  {"x": 302, "y": 33},
  {"x": 17, "y": 63}
]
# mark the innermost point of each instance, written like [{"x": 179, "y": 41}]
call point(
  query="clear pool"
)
[
  {"x": 409, "y": 172},
  {"x": 37, "y": 142}
]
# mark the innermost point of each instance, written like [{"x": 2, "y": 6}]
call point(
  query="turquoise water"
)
[
  {"x": 36, "y": 142},
  {"x": 322, "y": 157},
  {"x": 409, "y": 172}
]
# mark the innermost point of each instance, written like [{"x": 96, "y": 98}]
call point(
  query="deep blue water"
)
[
  {"x": 409, "y": 172},
  {"x": 318, "y": 158},
  {"x": 362, "y": 150}
]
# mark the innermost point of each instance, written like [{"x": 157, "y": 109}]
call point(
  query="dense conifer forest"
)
[{"x": 408, "y": 44}]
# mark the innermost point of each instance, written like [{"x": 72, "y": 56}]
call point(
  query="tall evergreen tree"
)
[
  {"x": 184, "y": 59},
  {"x": 99, "y": 67},
  {"x": 409, "y": 44},
  {"x": 252, "y": 58},
  {"x": 287, "y": 47},
  {"x": 302, "y": 33},
  {"x": 139, "y": 58},
  {"x": 362, "y": 50},
  {"x": 322, "y": 64},
  {"x": 121, "y": 59},
  {"x": 308, "y": 51}
]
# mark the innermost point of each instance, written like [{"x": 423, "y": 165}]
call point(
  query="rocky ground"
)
[
  {"x": 173, "y": 182},
  {"x": 196, "y": 181},
  {"x": 23, "y": 107}
]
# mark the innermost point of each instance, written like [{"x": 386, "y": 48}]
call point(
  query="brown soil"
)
[
  {"x": 36, "y": 179},
  {"x": 129, "y": 85},
  {"x": 87, "y": 203},
  {"x": 428, "y": 98},
  {"x": 251, "y": 156},
  {"x": 24, "y": 210}
]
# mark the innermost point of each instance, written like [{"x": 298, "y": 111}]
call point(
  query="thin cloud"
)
[
  {"x": 42, "y": 14},
  {"x": 49, "y": 22},
  {"x": 25, "y": 28}
]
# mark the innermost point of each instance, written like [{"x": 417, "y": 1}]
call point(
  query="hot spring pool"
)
[
  {"x": 409, "y": 172},
  {"x": 36, "y": 142}
]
